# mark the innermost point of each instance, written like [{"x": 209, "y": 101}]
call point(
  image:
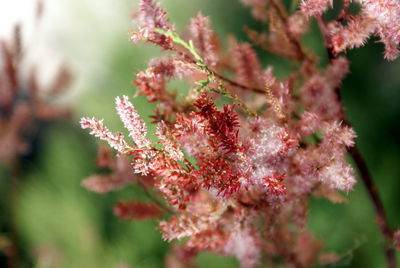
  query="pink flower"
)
[
  {"x": 315, "y": 7},
  {"x": 98, "y": 129},
  {"x": 245, "y": 63},
  {"x": 239, "y": 183},
  {"x": 132, "y": 122},
  {"x": 204, "y": 38},
  {"x": 150, "y": 18},
  {"x": 244, "y": 245}
]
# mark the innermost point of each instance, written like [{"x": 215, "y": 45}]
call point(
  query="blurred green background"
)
[{"x": 60, "y": 224}]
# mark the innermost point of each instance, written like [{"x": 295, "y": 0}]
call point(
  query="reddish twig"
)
[
  {"x": 158, "y": 203},
  {"x": 300, "y": 50},
  {"x": 236, "y": 84},
  {"x": 365, "y": 175},
  {"x": 382, "y": 221},
  {"x": 223, "y": 78}
]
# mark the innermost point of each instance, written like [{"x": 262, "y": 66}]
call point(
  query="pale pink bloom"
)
[
  {"x": 190, "y": 132},
  {"x": 298, "y": 24},
  {"x": 143, "y": 164},
  {"x": 151, "y": 85},
  {"x": 302, "y": 184},
  {"x": 245, "y": 63},
  {"x": 151, "y": 17},
  {"x": 320, "y": 98},
  {"x": 267, "y": 147},
  {"x": 278, "y": 95},
  {"x": 132, "y": 122},
  {"x": 102, "y": 184},
  {"x": 208, "y": 240},
  {"x": 203, "y": 204},
  {"x": 163, "y": 66},
  {"x": 152, "y": 82},
  {"x": 378, "y": 17},
  {"x": 337, "y": 70},
  {"x": 98, "y": 129},
  {"x": 336, "y": 134},
  {"x": 308, "y": 124},
  {"x": 315, "y": 7},
  {"x": 354, "y": 35},
  {"x": 244, "y": 245},
  {"x": 204, "y": 38},
  {"x": 169, "y": 142},
  {"x": 338, "y": 176},
  {"x": 326, "y": 164},
  {"x": 182, "y": 226},
  {"x": 386, "y": 13},
  {"x": 310, "y": 161},
  {"x": 246, "y": 171},
  {"x": 121, "y": 176},
  {"x": 268, "y": 140}
]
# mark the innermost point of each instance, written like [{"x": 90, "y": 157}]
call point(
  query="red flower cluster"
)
[{"x": 238, "y": 182}]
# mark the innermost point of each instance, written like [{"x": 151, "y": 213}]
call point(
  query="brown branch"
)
[
  {"x": 284, "y": 251},
  {"x": 282, "y": 14},
  {"x": 382, "y": 221},
  {"x": 221, "y": 77},
  {"x": 158, "y": 203},
  {"x": 236, "y": 84},
  {"x": 365, "y": 175},
  {"x": 369, "y": 184}
]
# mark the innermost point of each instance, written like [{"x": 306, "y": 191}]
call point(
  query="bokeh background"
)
[{"x": 60, "y": 224}]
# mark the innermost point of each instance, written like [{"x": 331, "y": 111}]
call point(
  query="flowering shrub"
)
[{"x": 237, "y": 177}]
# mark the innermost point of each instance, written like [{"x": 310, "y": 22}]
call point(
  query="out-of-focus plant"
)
[
  {"x": 25, "y": 105},
  {"x": 237, "y": 179}
]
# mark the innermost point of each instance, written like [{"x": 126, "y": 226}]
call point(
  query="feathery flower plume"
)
[
  {"x": 245, "y": 63},
  {"x": 376, "y": 17},
  {"x": 204, "y": 39},
  {"x": 235, "y": 182},
  {"x": 136, "y": 210},
  {"x": 315, "y": 7},
  {"x": 151, "y": 16},
  {"x": 132, "y": 122},
  {"x": 98, "y": 129}
]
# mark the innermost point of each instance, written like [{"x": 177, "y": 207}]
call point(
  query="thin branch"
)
[
  {"x": 282, "y": 14},
  {"x": 365, "y": 175},
  {"x": 223, "y": 78},
  {"x": 382, "y": 221},
  {"x": 284, "y": 251},
  {"x": 236, "y": 84},
  {"x": 158, "y": 203}
]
